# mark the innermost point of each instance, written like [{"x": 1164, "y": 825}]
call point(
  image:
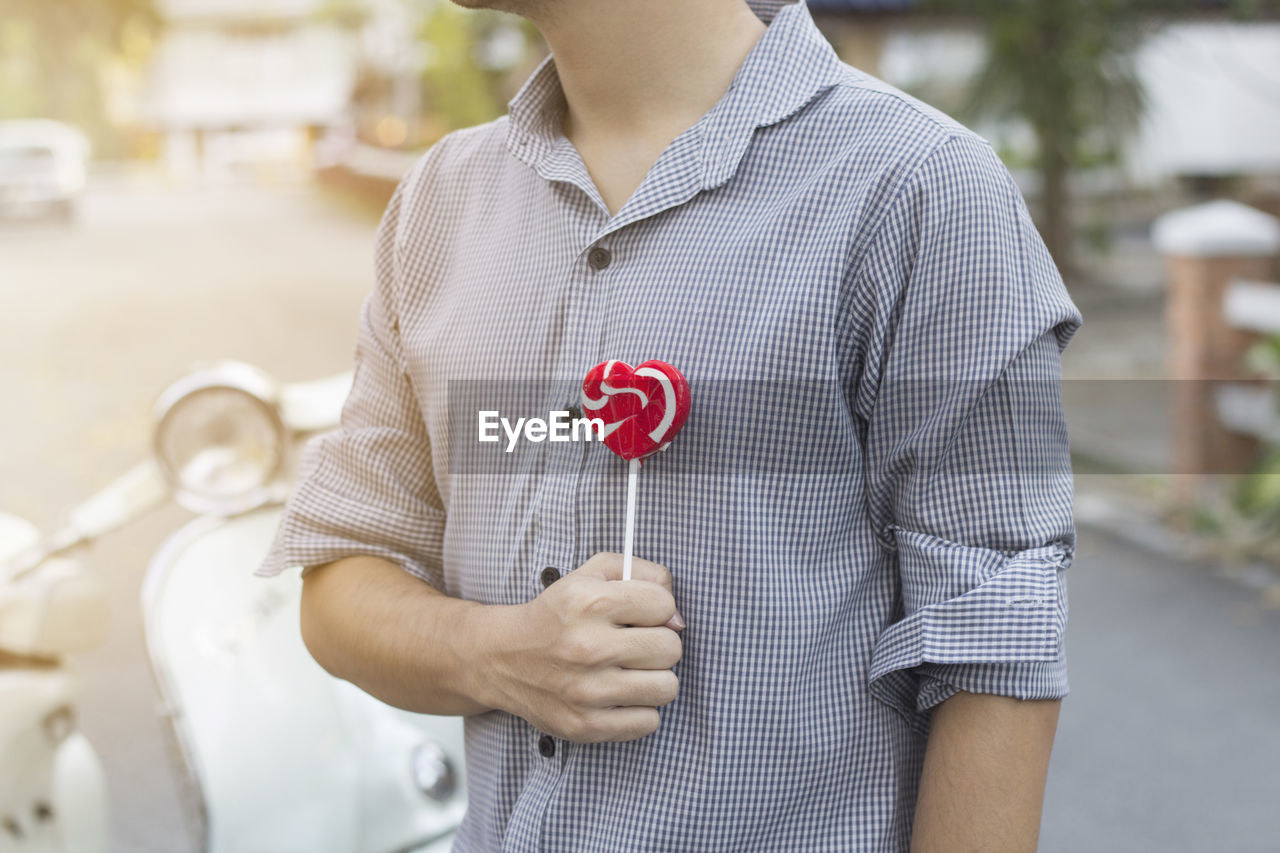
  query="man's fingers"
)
[
  {"x": 630, "y": 687},
  {"x": 607, "y": 565},
  {"x": 619, "y": 724},
  {"x": 648, "y": 648},
  {"x": 640, "y": 603},
  {"x": 643, "y": 570}
]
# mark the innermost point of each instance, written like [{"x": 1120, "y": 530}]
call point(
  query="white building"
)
[
  {"x": 1214, "y": 101},
  {"x": 1212, "y": 85},
  {"x": 237, "y": 81}
]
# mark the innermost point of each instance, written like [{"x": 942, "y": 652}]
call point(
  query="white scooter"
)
[{"x": 280, "y": 756}]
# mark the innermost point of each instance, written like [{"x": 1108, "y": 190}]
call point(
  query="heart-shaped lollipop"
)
[{"x": 642, "y": 408}]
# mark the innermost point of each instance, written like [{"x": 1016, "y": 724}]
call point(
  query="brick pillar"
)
[{"x": 1207, "y": 247}]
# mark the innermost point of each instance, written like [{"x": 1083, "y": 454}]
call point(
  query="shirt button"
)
[
  {"x": 574, "y": 412},
  {"x": 550, "y": 575},
  {"x": 547, "y": 746},
  {"x": 599, "y": 258}
]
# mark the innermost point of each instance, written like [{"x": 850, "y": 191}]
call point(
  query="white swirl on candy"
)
[
  {"x": 609, "y": 390},
  {"x": 669, "y": 394},
  {"x": 669, "y": 398}
]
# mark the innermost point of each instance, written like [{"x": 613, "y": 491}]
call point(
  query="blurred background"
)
[{"x": 186, "y": 180}]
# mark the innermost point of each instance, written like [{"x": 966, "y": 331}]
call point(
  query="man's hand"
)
[
  {"x": 590, "y": 658},
  {"x": 982, "y": 788}
]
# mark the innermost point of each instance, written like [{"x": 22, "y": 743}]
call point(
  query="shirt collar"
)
[{"x": 788, "y": 67}]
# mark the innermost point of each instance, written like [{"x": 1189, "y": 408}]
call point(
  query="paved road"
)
[{"x": 1170, "y": 740}]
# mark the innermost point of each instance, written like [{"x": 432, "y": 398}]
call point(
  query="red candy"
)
[{"x": 642, "y": 408}]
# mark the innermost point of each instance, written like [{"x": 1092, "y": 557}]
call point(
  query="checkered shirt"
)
[{"x": 869, "y": 508}]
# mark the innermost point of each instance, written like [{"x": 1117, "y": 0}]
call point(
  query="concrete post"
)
[{"x": 1207, "y": 247}]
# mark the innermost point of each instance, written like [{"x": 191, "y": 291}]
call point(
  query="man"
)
[{"x": 847, "y": 631}]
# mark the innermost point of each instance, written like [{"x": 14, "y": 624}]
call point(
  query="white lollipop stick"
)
[{"x": 633, "y": 468}]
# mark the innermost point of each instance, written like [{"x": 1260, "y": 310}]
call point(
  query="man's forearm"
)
[
  {"x": 982, "y": 788},
  {"x": 364, "y": 619}
]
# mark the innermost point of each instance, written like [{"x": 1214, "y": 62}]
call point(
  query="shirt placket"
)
[
  {"x": 599, "y": 245},
  {"x": 556, "y": 538},
  {"x": 585, "y": 281}
]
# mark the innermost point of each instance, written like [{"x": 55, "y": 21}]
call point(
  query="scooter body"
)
[
  {"x": 52, "y": 790},
  {"x": 281, "y": 755},
  {"x": 278, "y": 755}
]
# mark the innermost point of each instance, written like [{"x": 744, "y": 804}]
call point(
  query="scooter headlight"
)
[
  {"x": 219, "y": 438},
  {"x": 432, "y": 771}
]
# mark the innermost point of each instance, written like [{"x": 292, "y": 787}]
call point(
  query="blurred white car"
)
[{"x": 42, "y": 167}]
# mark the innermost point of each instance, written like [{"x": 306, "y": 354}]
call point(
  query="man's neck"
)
[{"x": 633, "y": 69}]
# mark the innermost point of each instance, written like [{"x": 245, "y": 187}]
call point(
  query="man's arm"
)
[
  {"x": 589, "y": 659},
  {"x": 982, "y": 788},
  {"x": 969, "y": 488},
  {"x": 366, "y": 620}
]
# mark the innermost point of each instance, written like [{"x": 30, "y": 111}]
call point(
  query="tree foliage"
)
[
  {"x": 1066, "y": 68},
  {"x": 54, "y": 55},
  {"x": 460, "y": 92}
]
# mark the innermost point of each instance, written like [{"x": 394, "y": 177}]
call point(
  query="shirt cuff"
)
[
  {"x": 1027, "y": 680},
  {"x": 975, "y": 619},
  {"x": 320, "y": 525}
]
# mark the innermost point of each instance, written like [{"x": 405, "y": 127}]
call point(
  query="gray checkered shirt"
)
[{"x": 868, "y": 509}]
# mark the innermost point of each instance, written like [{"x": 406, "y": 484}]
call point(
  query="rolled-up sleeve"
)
[
  {"x": 967, "y": 464},
  {"x": 368, "y": 488}
]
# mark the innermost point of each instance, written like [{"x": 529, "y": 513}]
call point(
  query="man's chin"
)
[
  {"x": 534, "y": 10},
  {"x": 517, "y": 7}
]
